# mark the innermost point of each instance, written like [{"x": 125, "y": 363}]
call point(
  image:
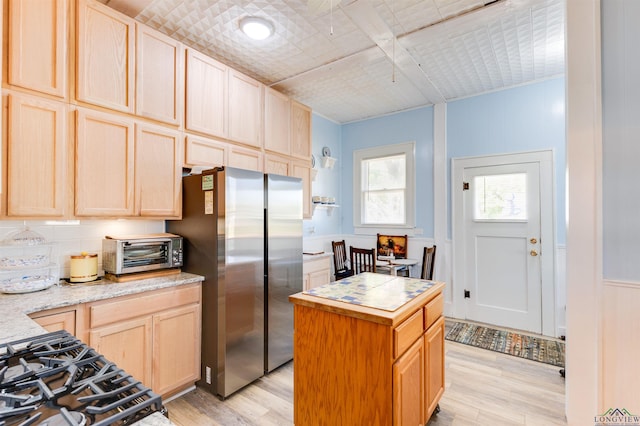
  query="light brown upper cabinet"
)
[
  {"x": 159, "y": 76},
  {"x": 37, "y": 157},
  {"x": 105, "y": 57},
  {"x": 277, "y": 164},
  {"x": 158, "y": 171},
  {"x": 300, "y": 130},
  {"x": 302, "y": 170},
  {"x": 277, "y": 119},
  {"x": 245, "y": 109},
  {"x": 245, "y": 158},
  {"x": 201, "y": 151},
  {"x": 38, "y": 45},
  {"x": 104, "y": 164},
  {"x": 206, "y": 95}
]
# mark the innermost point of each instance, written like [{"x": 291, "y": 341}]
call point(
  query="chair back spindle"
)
[{"x": 363, "y": 260}]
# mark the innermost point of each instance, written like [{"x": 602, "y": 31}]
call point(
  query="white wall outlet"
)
[{"x": 208, "y": 374}]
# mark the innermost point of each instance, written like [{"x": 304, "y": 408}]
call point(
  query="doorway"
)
[{"x": 504, "y": 240}]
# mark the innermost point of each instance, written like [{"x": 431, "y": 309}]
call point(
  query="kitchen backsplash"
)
[{"x": 74, "y": 237}]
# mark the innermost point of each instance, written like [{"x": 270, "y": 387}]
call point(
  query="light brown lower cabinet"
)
[
  {"x": 176, "y": 360},
  {"x": 154, "y": 336},
  {"x": 57, "y": 319},
  {"x": 128, "y": 345}
]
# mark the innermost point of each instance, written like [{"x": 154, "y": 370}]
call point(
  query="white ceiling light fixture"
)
[{"x": 256, "y": 28}]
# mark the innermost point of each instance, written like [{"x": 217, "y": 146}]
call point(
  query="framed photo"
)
[{"x": 396, "y": 244}]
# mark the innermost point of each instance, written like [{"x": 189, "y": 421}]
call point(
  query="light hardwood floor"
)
[{"x": 482, "y": 388}]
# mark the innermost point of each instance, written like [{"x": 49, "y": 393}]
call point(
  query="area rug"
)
[{"x": 520, "y": 345}]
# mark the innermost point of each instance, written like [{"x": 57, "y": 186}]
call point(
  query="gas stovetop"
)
[{"x": 56, "y": 379}]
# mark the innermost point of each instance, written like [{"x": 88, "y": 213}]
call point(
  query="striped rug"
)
[{"x": 534, "y": 348}]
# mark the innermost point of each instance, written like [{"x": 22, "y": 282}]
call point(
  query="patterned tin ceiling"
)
[{"x": 365, "y": 58}]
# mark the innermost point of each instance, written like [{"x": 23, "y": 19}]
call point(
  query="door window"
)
[{"x": 500, "y": 197}]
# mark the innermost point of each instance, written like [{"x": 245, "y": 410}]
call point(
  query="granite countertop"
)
[{"x": 15, "y": 324}]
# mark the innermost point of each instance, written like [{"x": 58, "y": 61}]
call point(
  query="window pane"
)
[
  {"x": 500, "y": 197},
  {"x": 383, "y": 207},
  {"x": 384, "y": 173}
]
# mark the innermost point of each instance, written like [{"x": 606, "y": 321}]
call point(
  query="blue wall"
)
[
  {"x": 415, "y": 125},
  {"x": 328, "y": 181},
  {"x": 525, "y": 118}
]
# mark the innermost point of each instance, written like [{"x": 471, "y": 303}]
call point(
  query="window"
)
[
  {"x": 500, "y": 197},
  {"x": 384, "y": 186}
]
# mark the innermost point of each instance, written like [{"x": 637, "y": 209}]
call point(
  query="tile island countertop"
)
[
  {"x": 15, "y": 323},
  {"x": 385, "y": 299}
]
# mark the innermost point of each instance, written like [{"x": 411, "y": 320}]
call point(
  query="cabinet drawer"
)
[
  {"x": 433, "y": 310},
  {"x": 406, "y": 333},
  {"x": 115, "y": 310}
]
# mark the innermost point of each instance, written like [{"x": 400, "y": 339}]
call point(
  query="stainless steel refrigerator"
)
[{"x": 223, "y": 224}]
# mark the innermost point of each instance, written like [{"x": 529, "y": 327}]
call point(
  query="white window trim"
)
[{"x": 407, "y": 148}]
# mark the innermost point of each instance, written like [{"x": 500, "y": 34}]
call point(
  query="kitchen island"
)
[{"x": 368, "y": 349}]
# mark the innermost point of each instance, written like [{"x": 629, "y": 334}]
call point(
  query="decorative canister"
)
[{"x": 84, "y": 267}]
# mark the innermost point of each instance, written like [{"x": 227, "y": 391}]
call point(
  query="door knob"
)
[
  {"x": 533, "y": 241},
  {"x": 533, "y": 253}
]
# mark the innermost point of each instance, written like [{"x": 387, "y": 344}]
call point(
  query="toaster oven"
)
[{"x": 138, "y": 253}]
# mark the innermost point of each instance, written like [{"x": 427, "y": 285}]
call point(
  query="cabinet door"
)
[
  {"x": 245, "y": 109},
  {"x": 245, "y": 158},
  {"x": 204, "y": 152},
  {"x": 158, "y": 170},
  {"x": 434, "y": 371},
  {"x": 36, "y": 136},
  {"x": 104, "y": 165},
  {"x": 319, "y": 278},
  {"x": 300, "y": 130},
  {"x": 206, "y": 95},
  {"x": 176, "y": 349},
  {"x": 159, "y": 76},
  {"x": 105, "y": 56},
  {"x": 38, "y": 45},
  {"x": 56, "y": 321},
  {"x": 408, "y": 386},
  {"x": 277, "y": 119},
  {"x": 128, "y": 344},
  {"x": 276, "y": 164},
  {"x": 303, "y": 171}
]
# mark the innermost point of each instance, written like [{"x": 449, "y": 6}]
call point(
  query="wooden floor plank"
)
[{"x": 482, "y": 388}]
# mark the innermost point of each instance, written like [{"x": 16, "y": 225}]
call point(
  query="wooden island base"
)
[{"x": 357, "y": 365}]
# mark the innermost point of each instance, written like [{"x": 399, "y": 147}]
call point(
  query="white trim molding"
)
[{"x": 584, "y": 217}]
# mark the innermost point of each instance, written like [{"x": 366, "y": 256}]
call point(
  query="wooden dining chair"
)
[
  {"x": 363, "y": 260},
  {"x": 340, "y": 262},
  {"x": 428, "y": 260}
]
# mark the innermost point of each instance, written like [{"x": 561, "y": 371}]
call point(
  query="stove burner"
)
[
  {"x": 55, "y": 379},
  {"x": 66, "y": 418},
  {"x": 19, "y": 372}
]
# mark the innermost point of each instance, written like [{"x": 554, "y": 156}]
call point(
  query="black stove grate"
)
[{"x": 55, "y": 376}]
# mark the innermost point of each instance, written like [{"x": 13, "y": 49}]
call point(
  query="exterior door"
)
[{"x": 502, "y": 241}]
